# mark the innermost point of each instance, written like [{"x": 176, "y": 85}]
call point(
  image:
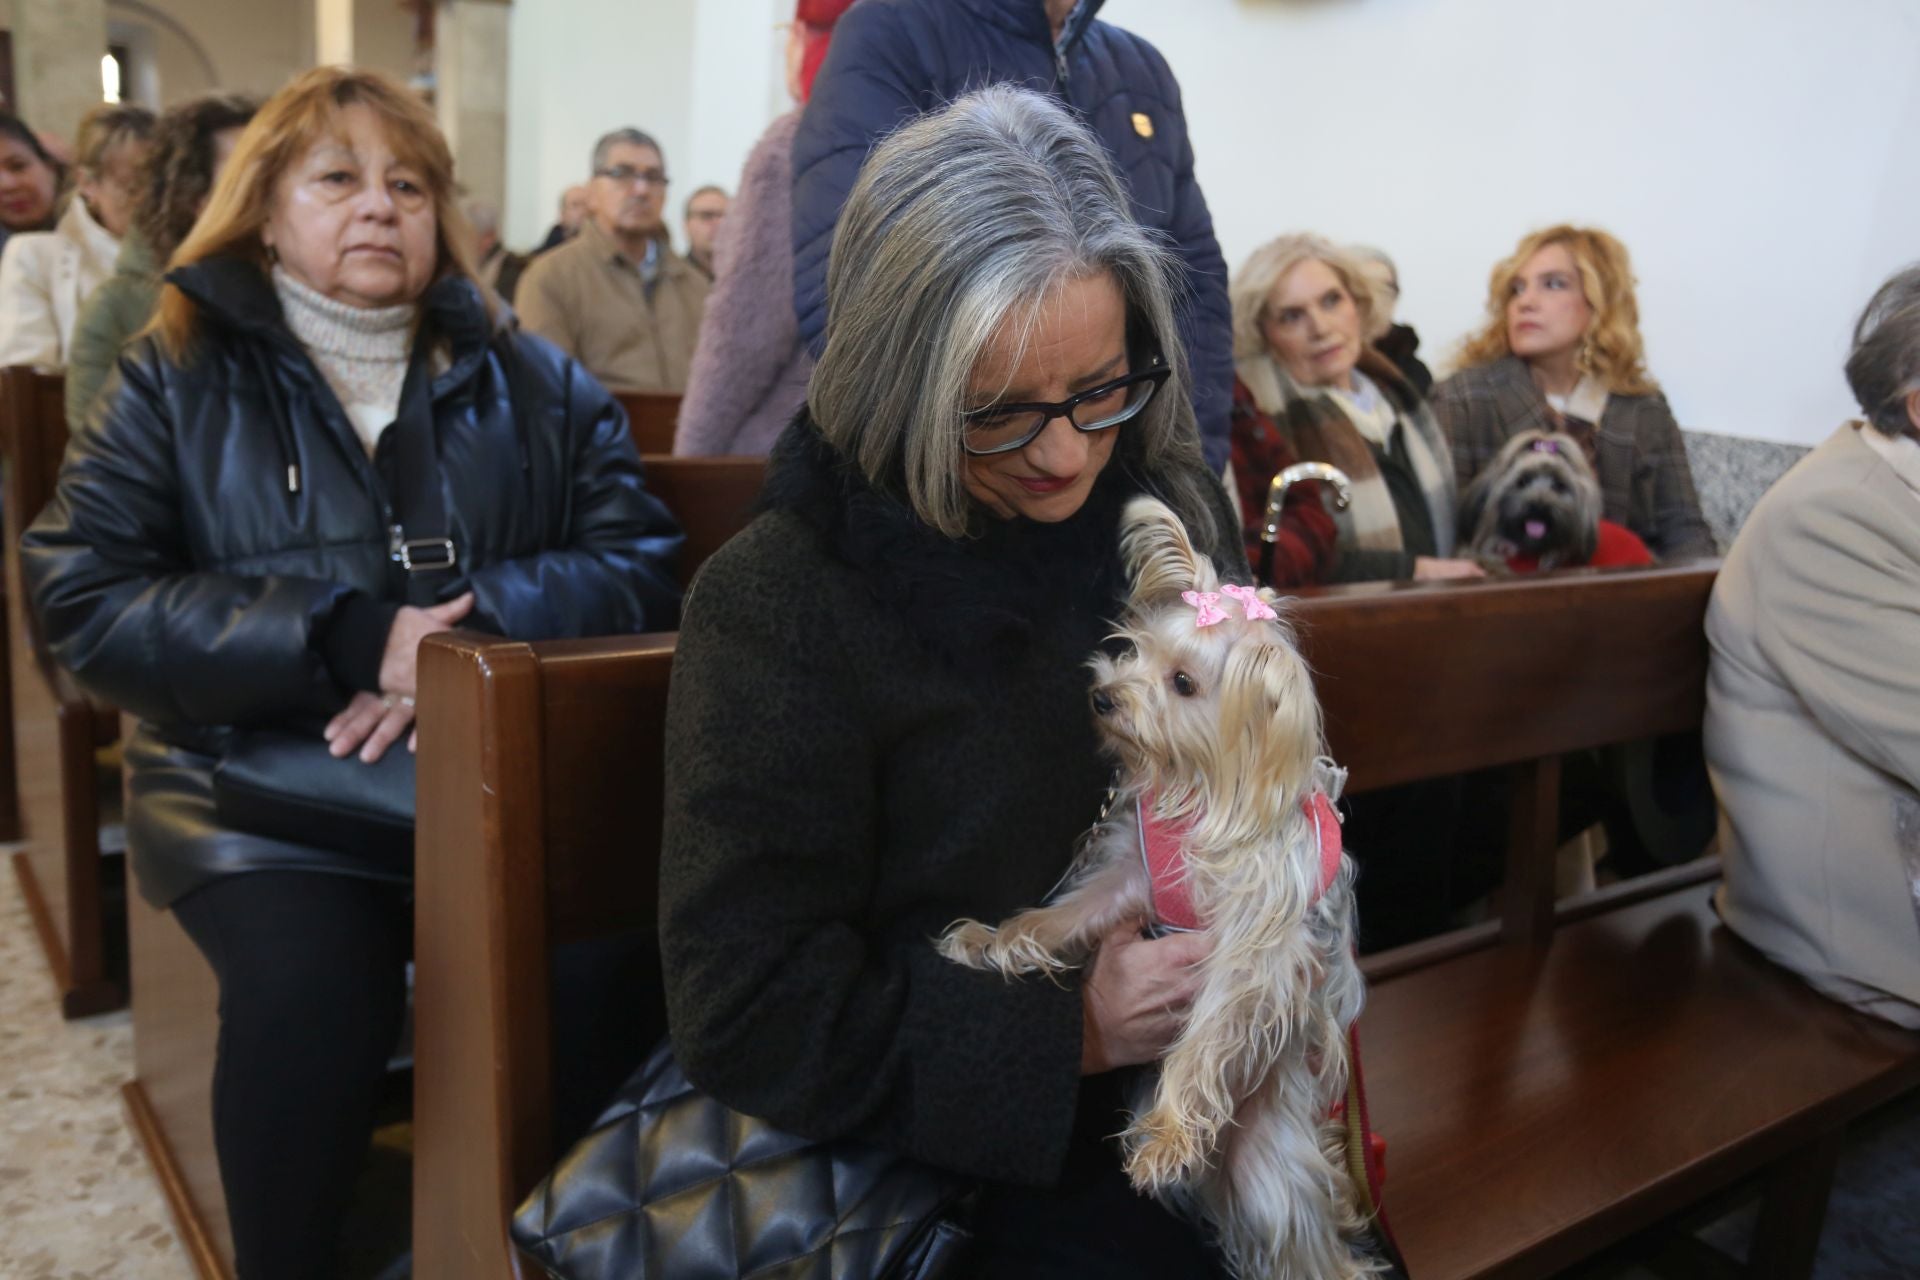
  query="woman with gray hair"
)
[
  {"x": 879, "y": 719},
  {"x": 1308, "y": 383},
  {"x": 1813, "y": 692}
]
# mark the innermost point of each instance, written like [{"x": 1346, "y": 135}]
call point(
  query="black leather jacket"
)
[{"x": 217, "y": 553}]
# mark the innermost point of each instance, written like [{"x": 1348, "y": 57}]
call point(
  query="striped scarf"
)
[{"x": 1342, "y": 429}]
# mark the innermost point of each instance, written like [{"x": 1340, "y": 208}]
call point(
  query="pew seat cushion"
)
[{"x": 1543, "y": 1103}]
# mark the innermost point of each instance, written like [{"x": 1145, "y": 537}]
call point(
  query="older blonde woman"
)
[
  {"x": 45, "y": 277},
  {"x": 328, "y": 447},
  {"x": 1813, "y": 692},
  {"x": 1310, "y": 385},
  {"x": 1561, "y": 351}
]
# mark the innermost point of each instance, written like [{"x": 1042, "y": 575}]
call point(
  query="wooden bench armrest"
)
[{"x": 482, "y": 940}]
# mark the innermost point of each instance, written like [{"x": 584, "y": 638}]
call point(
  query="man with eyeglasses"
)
[
  {"x": 705, "y": 209},
  {"x": 616, "y": 297}
]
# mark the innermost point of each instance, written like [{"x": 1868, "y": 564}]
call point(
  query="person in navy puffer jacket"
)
[{"x": 891, "y": 60}]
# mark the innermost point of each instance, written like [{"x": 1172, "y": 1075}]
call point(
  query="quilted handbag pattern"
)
[{"x": 672, "y": 1185}]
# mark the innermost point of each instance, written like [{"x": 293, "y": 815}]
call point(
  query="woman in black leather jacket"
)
[{"x": 327, "y": 446}]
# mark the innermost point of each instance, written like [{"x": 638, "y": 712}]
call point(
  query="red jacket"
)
[
  {"x": 1304, "y": 552},
  {"x": 1618, "y": 547}
]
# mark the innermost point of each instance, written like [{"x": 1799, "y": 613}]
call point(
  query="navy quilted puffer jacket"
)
[{"x": 894, "y": 59}]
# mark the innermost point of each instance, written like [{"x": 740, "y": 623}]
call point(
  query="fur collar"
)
[{"x": 979, "y": 601}]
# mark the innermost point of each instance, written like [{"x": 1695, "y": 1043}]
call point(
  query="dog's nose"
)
[{"x": 1102, "y": 703}]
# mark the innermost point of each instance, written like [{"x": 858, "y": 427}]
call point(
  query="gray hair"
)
[
  {"x": 1885, "y": 363},
  {"x": 631, "y": 136},
  {"x": 963, "y": 222},
  {"x": 482, "y": 217},
  {"x": 1267, "y": 266}
]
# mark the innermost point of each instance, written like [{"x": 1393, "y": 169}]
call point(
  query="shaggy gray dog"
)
[{"x": 1537, "y": 498}]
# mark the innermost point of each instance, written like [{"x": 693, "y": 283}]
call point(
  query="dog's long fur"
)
[
  {"x": 1234, "y": 1128},
  {"x": 1538, "y": 476}
]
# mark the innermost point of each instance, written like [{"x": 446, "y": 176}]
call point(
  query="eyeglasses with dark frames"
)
[
  {"x": 626, "y": 175},
  {"x": 1002, "y": 428}
]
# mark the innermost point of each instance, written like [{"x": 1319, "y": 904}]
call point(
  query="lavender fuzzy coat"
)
[{"x": 749, "y": 370}]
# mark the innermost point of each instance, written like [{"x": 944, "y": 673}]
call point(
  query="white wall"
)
[
  {"x": 1755, "y": 155},
  {"x": 700, "y": 75}
]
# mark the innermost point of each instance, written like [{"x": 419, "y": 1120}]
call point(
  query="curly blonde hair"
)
[
  {"x": 1268, "y": 265},
  {"x": 1612, "y": 350}
]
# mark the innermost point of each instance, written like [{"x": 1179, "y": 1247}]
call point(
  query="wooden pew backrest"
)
[
  {"x": 651, "y": 418},
  {"x": 713, "y": 498},
  {"x": 1425, "y": 681}
]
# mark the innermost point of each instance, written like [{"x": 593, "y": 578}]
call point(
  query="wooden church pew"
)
[
  {"x": 539, "y": 812},
  {"x": 74, "y": 894},
  {"x": 1564, "y": 1076}
]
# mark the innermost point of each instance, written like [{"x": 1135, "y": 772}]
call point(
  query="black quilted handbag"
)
[{"x": 671, "y": 1185}]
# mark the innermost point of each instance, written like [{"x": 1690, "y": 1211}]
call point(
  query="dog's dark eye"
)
[
  {"x": 1559, "y": 486},
  {"x": 1183, "y": 684}
]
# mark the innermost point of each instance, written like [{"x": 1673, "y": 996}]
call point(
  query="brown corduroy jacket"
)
[{"x": 587, "y": 298}]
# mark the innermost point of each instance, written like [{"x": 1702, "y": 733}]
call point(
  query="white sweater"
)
[
  {"x": 361, "y": 351},
  {"x": 45, "y": 276}
]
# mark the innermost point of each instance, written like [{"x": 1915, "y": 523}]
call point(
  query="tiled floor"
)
[{"x": 77, "y": 1200}]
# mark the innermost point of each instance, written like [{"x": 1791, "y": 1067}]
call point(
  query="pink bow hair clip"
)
[
  {"x": 1206, "y": 605},
  {"x": 1258, "y": 610}
]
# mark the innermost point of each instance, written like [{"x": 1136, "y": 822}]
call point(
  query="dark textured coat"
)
[
  {"x": 178, "y": 574},
  {"x": 1641, "y": 461},
  {"x": 894, "y": 59},
  {"x": 874, "y": 730}
]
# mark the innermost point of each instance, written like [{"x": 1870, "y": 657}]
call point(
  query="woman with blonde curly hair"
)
[
  {"x": 1309, "y": 385},
  {"x": 1561, "y": 351}
]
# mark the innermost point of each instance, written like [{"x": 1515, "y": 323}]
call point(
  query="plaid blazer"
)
[{"x": 1645, "y": 483}]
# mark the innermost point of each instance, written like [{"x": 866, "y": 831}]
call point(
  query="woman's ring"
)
[{"x": 405, "y": 701}]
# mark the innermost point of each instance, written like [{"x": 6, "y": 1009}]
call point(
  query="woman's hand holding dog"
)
[{"x": 1134, "y": 998}]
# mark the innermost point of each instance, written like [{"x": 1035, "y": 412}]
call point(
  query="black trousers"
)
[
  {"x": 312, "y": 971},
  {"x": 1091, "y": 1223}
]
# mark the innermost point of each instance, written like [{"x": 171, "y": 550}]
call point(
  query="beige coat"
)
[
  {"x": 586, "y": 297},
  {"x": 45, "y": 276},
  {"x": 1813, "y": 725}
]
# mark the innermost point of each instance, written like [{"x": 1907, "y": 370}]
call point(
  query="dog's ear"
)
[
  {"x": 1161, "y": 560},
  {"x": 1473, "y": 503},
  {"x": 1267, "y": 691}
]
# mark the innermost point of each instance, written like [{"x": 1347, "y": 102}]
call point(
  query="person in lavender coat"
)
[{"x": 750, "y": 368}]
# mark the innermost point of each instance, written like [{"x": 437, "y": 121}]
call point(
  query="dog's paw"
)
[
  {"x": 1163, "y": 1153},
  {"x": 968, "y": 942}
]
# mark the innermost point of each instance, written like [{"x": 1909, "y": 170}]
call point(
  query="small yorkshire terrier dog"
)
[
  {"x": 1537, "y": 502},
  {"x": 1222, "y": 820}
]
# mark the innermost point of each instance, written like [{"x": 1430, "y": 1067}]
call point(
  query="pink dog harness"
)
[{"x": 1163, "y": 854}]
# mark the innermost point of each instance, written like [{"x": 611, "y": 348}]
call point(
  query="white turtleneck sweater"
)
[{"x": 361, "y": 351}]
